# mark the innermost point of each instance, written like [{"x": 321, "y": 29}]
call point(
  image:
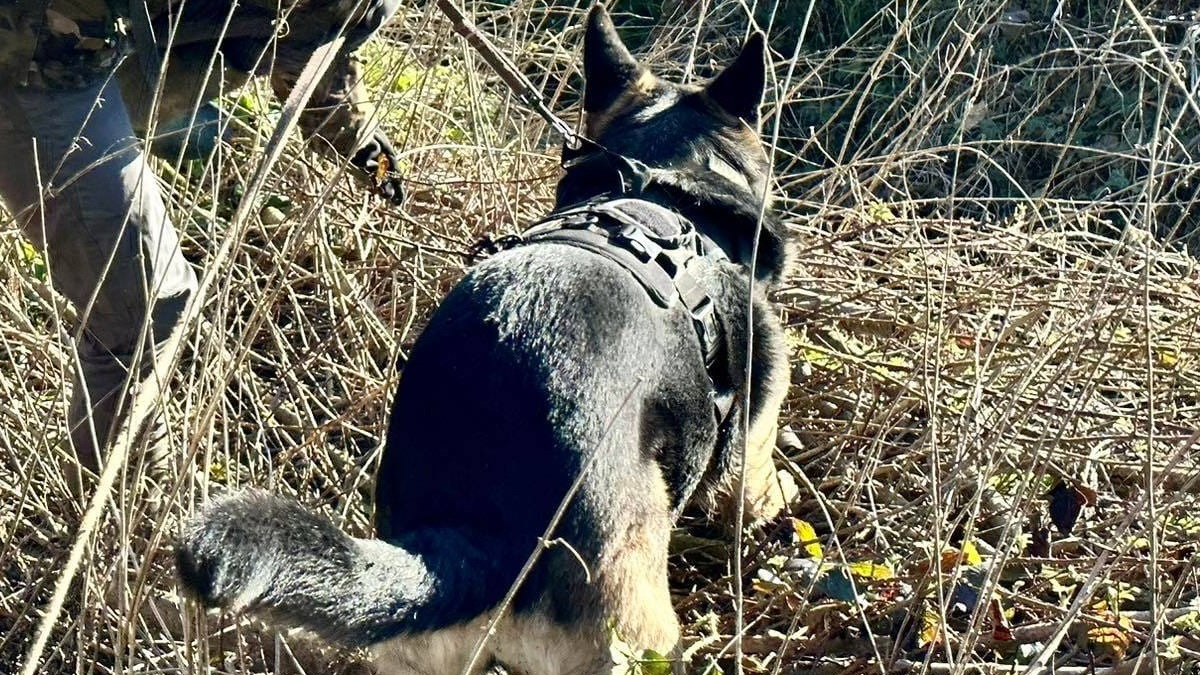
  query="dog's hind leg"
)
[
  {"x": 624, "y": 611},
  {"x": 633, "y": 585},
  {"x": 628, "y": 596}
]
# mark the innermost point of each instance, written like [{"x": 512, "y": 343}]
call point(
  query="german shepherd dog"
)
[{"x": 555, "y": 404}]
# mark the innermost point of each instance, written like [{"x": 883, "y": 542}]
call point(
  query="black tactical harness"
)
[
  {"x": 656, "y": 245},
  {"x": 660, "y": 248}
]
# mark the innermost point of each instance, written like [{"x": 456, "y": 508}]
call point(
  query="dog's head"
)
[{"x": 699, "y": 142}]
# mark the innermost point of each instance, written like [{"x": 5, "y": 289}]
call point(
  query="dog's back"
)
[
  {"x": 536, "y": 368},
  {"x": 550, "y": 402}
]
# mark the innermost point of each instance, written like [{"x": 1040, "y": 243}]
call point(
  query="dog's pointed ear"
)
[
  {"x": 608, "y": 67},
  {"x": 739, "y": 88}
]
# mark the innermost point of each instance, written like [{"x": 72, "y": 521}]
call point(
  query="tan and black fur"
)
[{"x": 548, "y": 362}]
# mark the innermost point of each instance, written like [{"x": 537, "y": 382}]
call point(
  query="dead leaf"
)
[
  {"x": 1066, "y": 502},
  {"x": 61, "y": 24},
  {"x": 1087, "y": 494},
  {"x": 931, "y": 629},
  {"x": 787, "y": 441},
  {"x": 974, "y": 114},
  {"x": 1110, "y": 643},
  {"x": 381, "y": 173},
  {"x": 953, "y": 558},
  {"x": 768, "y": 583},
  {"x": 1039, "y": 543},
  {"x": 1001, "y": 630}
]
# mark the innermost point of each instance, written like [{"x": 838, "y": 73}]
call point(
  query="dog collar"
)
[{"x": 633, "y": 176}]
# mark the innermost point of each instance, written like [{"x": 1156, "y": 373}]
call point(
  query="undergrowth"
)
[{"x": 993, "y": 331}]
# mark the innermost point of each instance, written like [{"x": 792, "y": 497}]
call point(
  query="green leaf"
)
[
  {"x": 653, "y": 663},
  {"x": 879, "y": 213},
  {"x": 35, "y": 261},
  {"x": 836, "y": 584}
]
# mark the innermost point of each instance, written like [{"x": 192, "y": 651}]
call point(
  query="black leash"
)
[
  {"x": 516, "y": 81},
  {"x": 575, "y": 144}
]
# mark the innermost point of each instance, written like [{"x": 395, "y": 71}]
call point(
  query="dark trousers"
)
[{"x": 77, "y": 182}]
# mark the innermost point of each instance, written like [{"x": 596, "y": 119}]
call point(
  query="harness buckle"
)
[
  {"x": 579, "y": 219},
  {"x": 634, "y": 239},
  {"x": 635, "y": 176}
]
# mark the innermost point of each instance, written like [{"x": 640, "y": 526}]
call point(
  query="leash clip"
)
[{"x": 635, "y": 176}]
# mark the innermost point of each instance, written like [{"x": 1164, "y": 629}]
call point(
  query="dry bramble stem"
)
[{"x": 518, "y": 83}]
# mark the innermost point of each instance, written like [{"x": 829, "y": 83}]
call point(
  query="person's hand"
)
[{"x": 377, "y": 159}]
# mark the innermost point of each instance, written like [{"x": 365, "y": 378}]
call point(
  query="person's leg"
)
[{"x": 91, "y": 204}]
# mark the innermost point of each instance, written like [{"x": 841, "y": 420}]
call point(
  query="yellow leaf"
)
[
  {"x": 872, "y": 571},
  {"x": 806, "y": 536},
  {"x": 217, "y": 472},
  {"x": 967, "y": 557},
  {"x": 1109, "y": 643},
  {"x": 381, "y": 173},
  {"x": 1167, "y": 358},
  {"x": 970, "y": 555},
  {"x": 34, "y": 259},
  {"x": 931, "y": 629}
]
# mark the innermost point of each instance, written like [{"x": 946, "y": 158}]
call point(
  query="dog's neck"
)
[{"x": 715, "y": 208}]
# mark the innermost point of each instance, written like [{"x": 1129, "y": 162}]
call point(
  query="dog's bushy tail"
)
[{"x": 271, "y": 557}]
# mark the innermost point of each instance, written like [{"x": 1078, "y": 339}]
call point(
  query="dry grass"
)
[{"x": 978, "y": 312}]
